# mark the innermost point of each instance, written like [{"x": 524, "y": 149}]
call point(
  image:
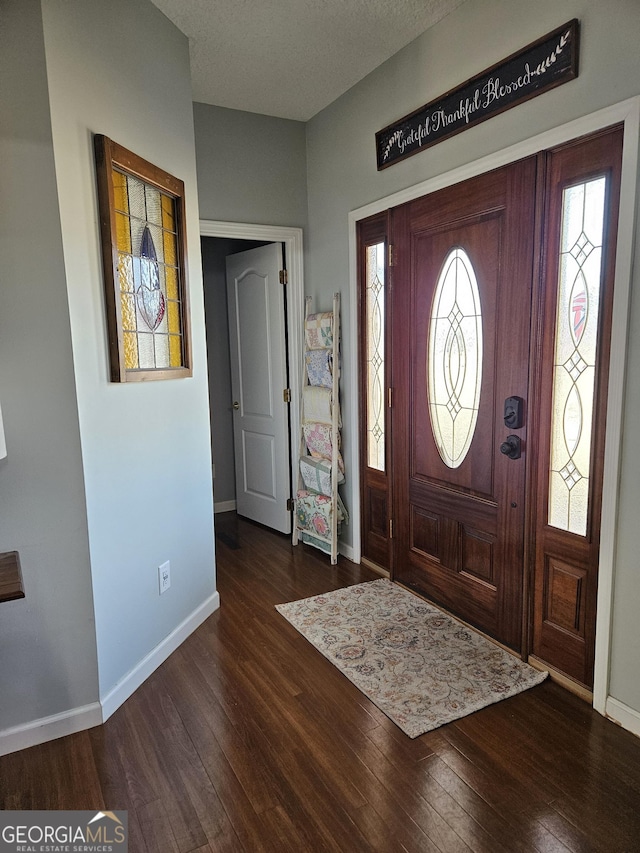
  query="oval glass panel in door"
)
[{"x": 454, "y": 358}]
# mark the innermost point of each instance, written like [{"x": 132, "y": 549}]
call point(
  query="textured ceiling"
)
[{"x": 290, "y": 58}]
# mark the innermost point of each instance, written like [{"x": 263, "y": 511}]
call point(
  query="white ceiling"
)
[{"x": 291, "y": 58}]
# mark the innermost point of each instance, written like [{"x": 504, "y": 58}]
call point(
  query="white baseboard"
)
[
  {"x": 50, "y": 728},
  {"x": 139, "y": 674},
  {"x": 622, "y": 714},
  {"x": 78, "y": 719},
  {"x": 224, "y": 506},
  {"x": 346, "y": 551}
]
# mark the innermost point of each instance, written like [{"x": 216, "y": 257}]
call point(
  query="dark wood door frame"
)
[
  {"x": 626, "y": 112},
  {"x": 536, "y": 392}
]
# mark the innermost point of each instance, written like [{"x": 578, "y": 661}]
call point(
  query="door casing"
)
[
  {"x": 627, "y": 113},
  {"x": 292, "y": 239}
]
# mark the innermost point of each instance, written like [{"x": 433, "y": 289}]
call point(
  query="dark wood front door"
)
[
  {"x": 461, "y": 325},
  {"x": 499, "y": 303}
]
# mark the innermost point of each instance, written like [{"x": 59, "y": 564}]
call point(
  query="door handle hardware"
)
[
  {"x": 513, "y": 412},
  {"x": 512, "y": 447},
  {"x": 236, "y": 405}
]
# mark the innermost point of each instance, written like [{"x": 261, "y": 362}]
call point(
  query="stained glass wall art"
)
[
  {"x": 576, "y": 332},
  {"x": 142, "y": 216},
  {"x": 454, "y": 358}
]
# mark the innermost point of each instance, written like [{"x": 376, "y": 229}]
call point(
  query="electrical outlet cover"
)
[{"x": 164, "y": 576}]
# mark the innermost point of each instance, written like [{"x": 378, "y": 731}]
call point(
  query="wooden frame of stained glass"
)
[{"x": 142, "y": 227}]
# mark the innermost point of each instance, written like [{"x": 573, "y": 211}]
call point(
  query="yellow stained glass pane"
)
[
  {"x": 130, "y": 350},
  {"x": 168, "y": 217},
  {"x": 173, "y": 310},
  {"x": 171, "y": 277},
  {"x": 123, "y": 234},
  {"x": 120, "y": 199},
  {"x": 128, "y": 305},
  {"x": 125, "y": 272},
  {"x": 169, "y": 241},
  {"x": 175, "y": 350}
]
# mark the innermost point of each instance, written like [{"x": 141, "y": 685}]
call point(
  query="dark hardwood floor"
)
[{"x": 247, "y": 739}]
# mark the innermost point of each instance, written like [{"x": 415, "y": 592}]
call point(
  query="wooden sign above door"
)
[{"x": 543, "y": 65}]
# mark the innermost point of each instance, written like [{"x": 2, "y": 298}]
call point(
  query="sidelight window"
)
[
  {"x": 574, "y": 367},
  {"x": 375, "y": 311}
]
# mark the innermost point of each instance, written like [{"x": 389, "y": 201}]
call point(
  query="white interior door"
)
[{"x": 257, "y": 340}]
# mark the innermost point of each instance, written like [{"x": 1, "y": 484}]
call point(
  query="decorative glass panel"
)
[
  {"x": 375, "y": 356},
  {"x": 142, "y": 214},
  {"x": 454, "y": 358},
  {"x": 147, "y": 266},
  {"x": 575, "y": 354}
]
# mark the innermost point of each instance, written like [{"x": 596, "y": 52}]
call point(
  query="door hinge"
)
[
  {"x": 390, "y": 398},
  {"x": 290, "y": 505},
  {"x": 390, "y": 528},
  {"x": 284, "y": 277},
  {"x": 286, "y": 395},
  {"x": 391, "y": 255}
]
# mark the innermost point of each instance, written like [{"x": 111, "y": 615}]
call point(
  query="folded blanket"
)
[
  {"x": 317, "y": 437},
  {"x": 316, "y": 474},
  {"x": 319, "y": 331},
  {"x": 319, "y": 364},
  {"x": 314, "y": 514},
  {"x": 317, "y": 404}
]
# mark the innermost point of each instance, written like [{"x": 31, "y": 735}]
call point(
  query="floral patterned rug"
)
[{"x": 421, "y": 667}]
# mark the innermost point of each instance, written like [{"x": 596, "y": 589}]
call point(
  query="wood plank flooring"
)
[{"x": 247, "y": 739}]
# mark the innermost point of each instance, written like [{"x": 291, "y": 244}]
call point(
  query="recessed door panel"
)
[
  {"x": 455, "y": 418},
  {"x": 251, "y": 296},
  {"x": 259, "y": 457}
]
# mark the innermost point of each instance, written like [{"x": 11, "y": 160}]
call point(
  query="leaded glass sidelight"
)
[
  {"x": 454, "y": 358},
  {"x": 375, "y": 279},
  {"x": 578, "y": 299}
]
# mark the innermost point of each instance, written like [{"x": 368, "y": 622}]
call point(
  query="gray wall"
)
[
  {"x": 122, "y": 69},
  {"x": 47, "y": 640},
  {"x": 342, "y": 176},
  {"x": 251, "y": 168}
]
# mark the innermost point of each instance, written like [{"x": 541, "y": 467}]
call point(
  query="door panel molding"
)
[{"x": 628, "y": 113}]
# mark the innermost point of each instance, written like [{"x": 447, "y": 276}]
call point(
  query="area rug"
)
[{"x": 421, "y": 667}]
